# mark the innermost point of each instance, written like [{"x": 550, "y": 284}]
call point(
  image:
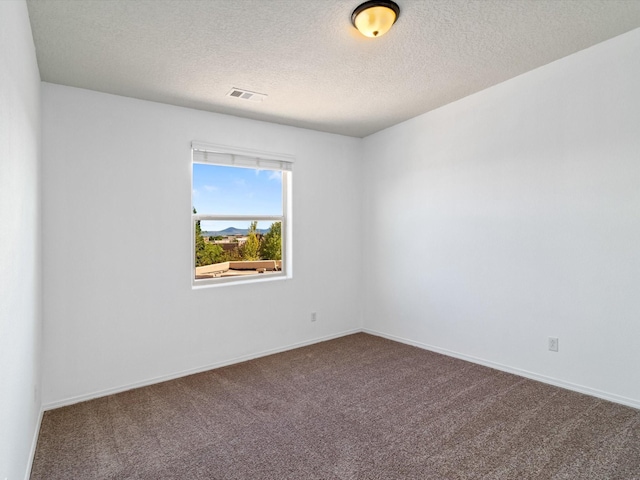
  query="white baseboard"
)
[
  {"x": 629, "y": 402},
  {"x": 487, "y": 363},
  {"x": 505, "y": 368},
  {"x": 34, "y": 444},
  {"x": 110, "y": 391}
]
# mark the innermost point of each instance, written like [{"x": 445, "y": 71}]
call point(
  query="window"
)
[{"x": 241, "y": 220}]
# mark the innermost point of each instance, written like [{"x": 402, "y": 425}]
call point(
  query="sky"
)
[{"x": 235, "y": 191}]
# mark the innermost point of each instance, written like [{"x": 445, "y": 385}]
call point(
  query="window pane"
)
[
  {"x": 223, "y": 190},
  {"x": 229, "y": 249}
]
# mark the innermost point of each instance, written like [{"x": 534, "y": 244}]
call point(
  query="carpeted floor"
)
[{"x": 359, "y": 407}]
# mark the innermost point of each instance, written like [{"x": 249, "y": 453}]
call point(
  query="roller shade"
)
[{"x": 232, "y": 156}]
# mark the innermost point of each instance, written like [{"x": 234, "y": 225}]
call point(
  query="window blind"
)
[{"x": 232, "y": 156}]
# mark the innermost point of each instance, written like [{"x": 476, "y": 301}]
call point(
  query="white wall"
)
[
  {"x": 119, "y": 307},
  {"x": 20, "y": 293},
  {"x": 513, "y": 215}
]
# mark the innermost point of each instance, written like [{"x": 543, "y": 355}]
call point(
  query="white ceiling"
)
[{"x": 316, "y": 69}]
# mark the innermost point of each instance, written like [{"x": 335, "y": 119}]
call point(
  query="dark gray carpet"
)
[{"x": 359, "y": 407}]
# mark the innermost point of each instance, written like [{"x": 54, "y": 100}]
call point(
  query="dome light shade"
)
[{"x": 375, "y": 18}]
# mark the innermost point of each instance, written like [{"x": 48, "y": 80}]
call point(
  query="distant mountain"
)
[{"x": 227, "y": 232}]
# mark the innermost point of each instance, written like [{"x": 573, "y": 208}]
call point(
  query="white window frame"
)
[{"x": 214, "y": 154}]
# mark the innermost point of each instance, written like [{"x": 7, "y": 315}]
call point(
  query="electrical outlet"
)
[
  {"x": 553, "y": 344},
  {"x": 314, "y": 316}
]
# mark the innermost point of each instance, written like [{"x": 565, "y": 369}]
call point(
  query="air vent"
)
[{"x": 246, "y": 95}]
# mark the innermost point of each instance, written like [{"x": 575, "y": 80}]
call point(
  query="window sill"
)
[{"x": 239, "y": 280}]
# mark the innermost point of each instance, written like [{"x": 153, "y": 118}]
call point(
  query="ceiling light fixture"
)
[{"x": 375, "y": 18}]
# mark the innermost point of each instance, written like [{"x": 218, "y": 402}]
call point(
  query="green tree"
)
[
  {"x": 251, "y": 248},
  {"x": 271, "y": 248},
  {"x": 199, "y": 240},
  {"x": 234, "y": 255},
  {"x": 206, "y": 253}
]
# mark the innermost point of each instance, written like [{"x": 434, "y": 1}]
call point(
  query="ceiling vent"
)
[{"x": 246, "y": 95}]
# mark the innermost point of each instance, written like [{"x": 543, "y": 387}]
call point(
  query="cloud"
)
[
  {"x": 275, "y": 175},
  {"x": 240, "y": 182},
  {"x": 195, "y": 192},
  {"x": 211, "y": 188}
]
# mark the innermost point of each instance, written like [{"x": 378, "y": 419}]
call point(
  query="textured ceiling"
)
[{"x": 316, "y": 69}]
